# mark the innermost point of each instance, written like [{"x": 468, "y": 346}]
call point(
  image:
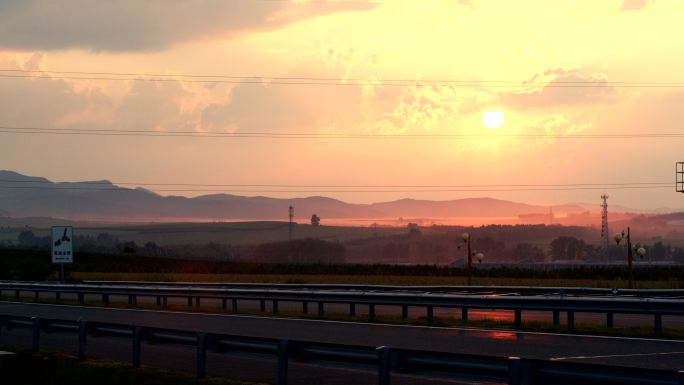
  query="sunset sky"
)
[{"x": 560, "y": 71}]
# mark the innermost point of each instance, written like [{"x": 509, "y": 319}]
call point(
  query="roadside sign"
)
[{"x": 62, "y": 244}]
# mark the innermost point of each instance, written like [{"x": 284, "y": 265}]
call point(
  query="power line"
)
[
  {"x": 671, "y": 185},
  {"x": 313, "y": 135},
  {"x": 259, "y": 77},
  {"x": 323, "y": 81},
  {"x": 107, "y": 183}
]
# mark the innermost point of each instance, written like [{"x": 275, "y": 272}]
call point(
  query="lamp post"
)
[
  {"x": 478, "y": 256},
  {"x": 639, "y": 250},
  {"x": 466, "y": 240}
]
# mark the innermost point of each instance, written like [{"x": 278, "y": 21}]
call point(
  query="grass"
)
[
  {"x": 59, "y": 369},
  {"x": 369, "y": 280},
  {"x": 504, "y": 325}
]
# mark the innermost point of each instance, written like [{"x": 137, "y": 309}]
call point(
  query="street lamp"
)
[
  {"x": 479, "y": 256},
  {"x": 639, "y": 250},
  {"x": 642, "y": 252}
]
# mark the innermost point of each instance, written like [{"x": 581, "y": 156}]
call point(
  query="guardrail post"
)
[
  {"x": 514, "y": 371},
  {"x": 197, "y": 302},
  {"x": 430, "y": 315},
  {"x": 518, "y": 318},
  {"x": 224, "y": 303},
  {"x": 262, "y": 305},
  {"x": 82, "y": 332},
  {"x": 680, "y": 377},
  {"x": 610, "y": 319},
  {"x": 165, "y": 301},
  {"x": 371, "y": 312},
  {"x": 235, "y": 305},
  {"x": 658, "y": 323},
  {"x": 132, "y": 300},
  {"x": 556, "y": 318},
  {"x": 189, "y": 301},
  {"x": 571, "y": 319},
  {"x": 137, "y": 331},
  {"x": 81, "y": 298},
  {"x": 201, "y": 355},
  {"x": 57, "y": 296},
  {"x": 404, "y": 311},
  {"x": 383, "y": 365},
  {"x": 352, "y": 309},
  {"x": 36, "y": 295},
  {"x": 305, "y": 307},
  {"x": 321, "y": 309},
  {"x": 283, "y": 358},
  {"x": 275, "y": 307},
  {"x": 158, "y": 300},
  {"x": 17, "y": 294},
  {"x": 464, "y": 313},
  {"x": 105, "y": 298},
  {"x": 36, "y": 334}
]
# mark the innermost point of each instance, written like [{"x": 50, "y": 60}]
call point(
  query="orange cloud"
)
[{"x": 566, "y": 88}]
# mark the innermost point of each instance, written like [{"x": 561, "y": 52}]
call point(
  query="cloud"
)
[
  {"x": 634, "y": 5},
  {"x": 566, "y": 88},
  {"x": 178, "y": 105},
  {"x": 273, "y": 107},
  {"x": 133, "y": 25},
  {"x": 28, "y": 102}
]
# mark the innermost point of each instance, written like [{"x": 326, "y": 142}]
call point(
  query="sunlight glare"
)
[{"x": 492, "y": 119}]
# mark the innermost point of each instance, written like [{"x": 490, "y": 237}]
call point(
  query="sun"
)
[{"x": 493, "y": 119}]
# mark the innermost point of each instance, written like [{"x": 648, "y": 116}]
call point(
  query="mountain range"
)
[{"x": 27, "y": 196}]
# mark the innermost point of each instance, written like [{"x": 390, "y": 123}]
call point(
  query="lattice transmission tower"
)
[{"x": 605, "y": 234}]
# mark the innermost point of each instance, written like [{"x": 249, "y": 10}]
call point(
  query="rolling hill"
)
[{"x": 27, "y": 196}]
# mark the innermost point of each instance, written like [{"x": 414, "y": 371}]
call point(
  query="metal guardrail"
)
[
  {"x": 386, "y": 360},
  {"x": 556, "y": 304},
  {"x": 508, "y": 290}
]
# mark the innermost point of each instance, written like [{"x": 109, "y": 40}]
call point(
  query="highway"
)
[
  {"x": 642, "y": 353},
  {"x": 621, "y": 320}
]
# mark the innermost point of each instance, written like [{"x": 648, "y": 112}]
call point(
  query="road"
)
[
  {"x": 643, "y": 353},
  {"x": 620, "y": 320}
]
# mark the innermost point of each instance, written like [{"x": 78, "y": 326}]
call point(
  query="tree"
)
[
  {"x": 567, "y": 248},
  {"x": 413, "y": 229},
  {"x": 128, "y": 247},
  {"x": 315, "y": 220},
  {"x": 526, "y": 252},
  {"x": 26, "y": 238}
]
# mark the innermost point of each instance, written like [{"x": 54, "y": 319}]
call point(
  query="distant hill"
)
[{"x": 26, "y": 196}]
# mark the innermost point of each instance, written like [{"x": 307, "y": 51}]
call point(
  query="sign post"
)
[{"x": 62, "y": 247}]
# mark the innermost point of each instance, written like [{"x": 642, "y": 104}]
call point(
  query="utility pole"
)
[
  {"x": 629, "y": 260},
  {"x": 466, "y": 239},
  {"x": 291, "y": 216},
  {"x": 604, "y": 227}
]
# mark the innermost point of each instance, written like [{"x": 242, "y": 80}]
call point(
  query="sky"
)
[{"x": 408, "y": 81}]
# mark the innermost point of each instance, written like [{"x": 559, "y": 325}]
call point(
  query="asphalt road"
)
[
  {"x": 644, "y": 353},
  {"x": 245, "y": 367}
]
